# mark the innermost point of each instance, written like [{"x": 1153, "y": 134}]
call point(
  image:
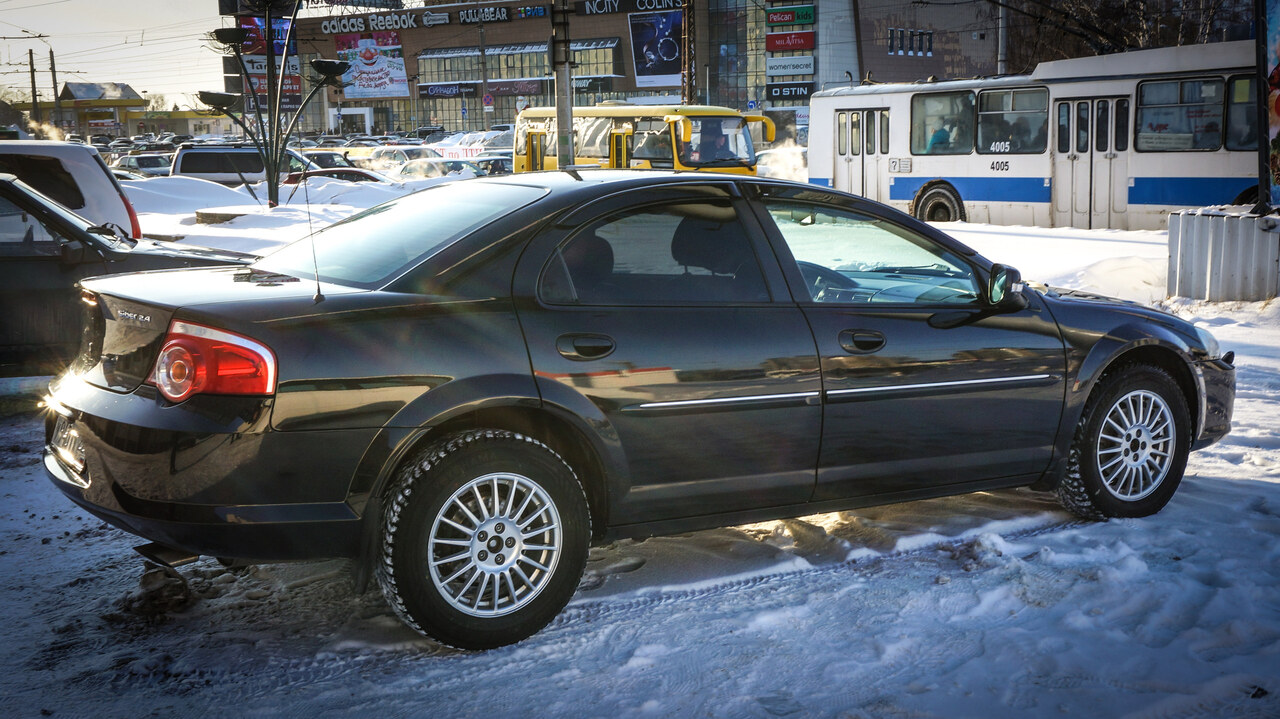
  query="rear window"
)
[
  {"x": 378, "y": 245},
  {"x": 47, "y": 175}
]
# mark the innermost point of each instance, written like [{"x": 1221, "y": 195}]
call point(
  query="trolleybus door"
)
[
  {"x": 862, "y": 152},
  {"x": 1090, "y": 167}
]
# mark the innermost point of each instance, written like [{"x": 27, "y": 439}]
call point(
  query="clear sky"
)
[{"x": 156, "y": 46}]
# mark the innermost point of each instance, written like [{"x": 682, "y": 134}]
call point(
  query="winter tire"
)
[
  {"x": 939, "y": 203},
  {"x": 1130, "y": 447},
  {"x": 485, "y": 537}
]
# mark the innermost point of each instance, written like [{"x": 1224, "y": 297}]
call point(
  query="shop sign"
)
[
  {"x": 515, "y": 87},
  {"x": 475, "y": 15},
  {"x": 608, "y": 7},
  {"x": 529, "y": 12},
  {"x": 371, "y": 23},
  {"x": 788, "y": 90},
  {"x": 786, "y": 41},
  {"x": 795, "y": 65},
  {"x": 257, "y": 65},
  {"x": 593, "y": 84},
  {"x": 450, "y": 89},
  {"x": 790, "y": 15}
]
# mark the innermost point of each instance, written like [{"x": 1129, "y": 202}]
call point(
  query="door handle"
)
[
  {"x": 581, "y": 347},
  {"x": 861, "y": 342}
]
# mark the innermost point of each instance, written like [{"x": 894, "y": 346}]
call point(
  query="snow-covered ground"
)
[{"x": 986, "y": 605}]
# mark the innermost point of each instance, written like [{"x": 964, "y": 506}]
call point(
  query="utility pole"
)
[
  {"x": 57, "y": 99},
  {"x": 484, "y": 79},
  {"x": 35, "y": 98},
  {"x": 689, "y": 71},
  {"x": 561, "y": 58}
]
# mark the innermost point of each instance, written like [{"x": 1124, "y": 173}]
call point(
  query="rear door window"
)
[{"x": 47, "y": 175}]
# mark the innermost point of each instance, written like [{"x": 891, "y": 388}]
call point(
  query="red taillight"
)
[
  {"x": 135, "y": 228},
  {"x": 196, "y": 359}
]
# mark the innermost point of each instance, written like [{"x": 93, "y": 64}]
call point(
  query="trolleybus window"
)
[
  {"x": 1179, "y": 115},
  {"x": 1242, "y": 115},
  {"x": 942, "y": 123},
  {"x": 1012, "y": 121}
]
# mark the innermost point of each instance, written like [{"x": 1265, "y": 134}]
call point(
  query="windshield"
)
[
  {"x": 718, "y": 142},
  {"x": 376, "y": 246}
]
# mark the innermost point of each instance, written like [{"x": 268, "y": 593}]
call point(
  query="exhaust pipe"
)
[{"x": 165, "y": 555}]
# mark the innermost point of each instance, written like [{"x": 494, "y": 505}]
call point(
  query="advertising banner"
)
[
  {"x": 655, "y": 45},
  {"x": 790, "y": 15},
  {"x": 786, "y": 41},
  {"x": 1271, "y": 148},
  {"x": 377, "y": 64},
  {"x": 255, "y": 42},
  {"x": 795, "y": 65}
]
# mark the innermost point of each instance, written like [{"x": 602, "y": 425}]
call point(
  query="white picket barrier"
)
[{"x": 1224, "y": 253}]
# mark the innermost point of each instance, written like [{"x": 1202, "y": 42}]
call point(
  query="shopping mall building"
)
[{"x": 472, "y": 65}]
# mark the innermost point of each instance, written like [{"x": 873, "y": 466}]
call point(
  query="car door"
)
[
  {"x": 924, "y": 385},
  {"x": 655, "y": 313},
  {"x": 41, "y": 309}
]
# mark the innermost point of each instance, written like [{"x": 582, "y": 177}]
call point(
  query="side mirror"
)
[
  {"x": 1004, "y": 290},
  {"x": 73, "y": 252}
]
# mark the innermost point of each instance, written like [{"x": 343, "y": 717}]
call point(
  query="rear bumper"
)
[{"x": 219, "y": 482}]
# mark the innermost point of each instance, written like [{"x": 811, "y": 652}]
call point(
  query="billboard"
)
[
  {"x": 377, "y": 64},
  {"x": 789, "y": 65},
  {"x": 786, "y": 41},
  {"x": 656, "y": 38}
]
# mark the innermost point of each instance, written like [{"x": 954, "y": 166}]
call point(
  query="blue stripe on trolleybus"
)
[
  {"x": 979, "y": 189},
  {"x": 1188, "y": 191}
]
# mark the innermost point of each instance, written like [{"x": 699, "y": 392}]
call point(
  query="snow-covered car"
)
[
  {"x": 463, "y": 388},
  {"x": 427, "y": 167},
  {"x": 350, "y": 174}
]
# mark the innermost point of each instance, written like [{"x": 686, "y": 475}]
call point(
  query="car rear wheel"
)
[
  {"x": 485, "y": 538},
  {"x": 1130, "y": 447}
]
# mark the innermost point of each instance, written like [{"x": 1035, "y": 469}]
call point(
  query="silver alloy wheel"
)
[
  {"x": 1135, "y": 445},
  {"x": 494, "y": 544}
]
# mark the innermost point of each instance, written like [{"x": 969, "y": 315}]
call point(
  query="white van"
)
[{"x": 74, "y": 176}]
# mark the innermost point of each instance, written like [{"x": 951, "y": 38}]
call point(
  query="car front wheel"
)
[
  {"x": 485, "y": 538},
  {"x": 1130, "y": 447}
]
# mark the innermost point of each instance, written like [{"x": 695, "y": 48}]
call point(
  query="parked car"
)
[
  {"x": 327, "y": 158},
  {"x": 44, "y": 250},
  {"x": 464, "y": 387},
  {"x": 494, "y": 164},
  {"x": 125, "y": 175},
  {"x": 436, "y": 167},
  {"x": 392, "y": 157},
  {"x": 350, "y": 174},
  {"x": 230, "y": 164},
  {"x": 149, "y": 164},
  {"x": 73, "y": 175}
]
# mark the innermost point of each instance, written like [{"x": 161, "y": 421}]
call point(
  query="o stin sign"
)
[{"x": 785, "y": 41}]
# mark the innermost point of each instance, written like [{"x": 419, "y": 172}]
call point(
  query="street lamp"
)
[{"x": 268, "y": 137}]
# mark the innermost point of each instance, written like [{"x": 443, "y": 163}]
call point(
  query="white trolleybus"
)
[{"x": 1115, "y": 141}]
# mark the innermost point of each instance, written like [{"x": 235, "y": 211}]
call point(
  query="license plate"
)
[{"x": 67, "y": 444}]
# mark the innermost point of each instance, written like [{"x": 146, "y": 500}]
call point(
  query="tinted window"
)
[
  {"x": 22, "y": 235},
  {"x": 847, "y": 257},
  {"x": 378, "y": 245},
  {"x": 663, "y": 254},
  {"x": 47, "y": 175}
]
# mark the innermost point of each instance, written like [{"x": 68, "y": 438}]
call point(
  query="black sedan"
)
[
  {"x": 465, "y": 387},
  {"x": 44, "y": 250}
]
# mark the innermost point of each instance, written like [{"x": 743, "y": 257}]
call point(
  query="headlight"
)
[{"x": 1210, "y": 344}]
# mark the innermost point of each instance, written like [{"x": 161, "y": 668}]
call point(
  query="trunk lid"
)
[{"x": 125, "y": 318}]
